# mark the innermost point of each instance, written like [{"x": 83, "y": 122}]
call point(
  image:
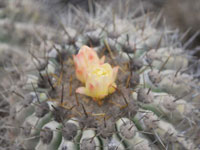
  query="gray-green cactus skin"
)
[{"x": 154, "y": 107}]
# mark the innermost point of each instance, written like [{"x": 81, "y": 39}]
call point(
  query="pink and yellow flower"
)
[
  {"x": 83, "y": 61},
  {"x": 99, "y": 77}
]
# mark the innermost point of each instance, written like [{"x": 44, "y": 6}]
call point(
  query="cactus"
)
[{"x": 153, "y": 104}]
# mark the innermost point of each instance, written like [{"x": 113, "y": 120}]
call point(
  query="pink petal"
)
[
  {"x": 74, "y": 59},
  {"x": 80, "y": 72},
  {"x": 91, "y": 87},
  {"x": 91, "y": 57},
  {"x": 83, "y": 49},
  {"x": 102, "y": 60}
]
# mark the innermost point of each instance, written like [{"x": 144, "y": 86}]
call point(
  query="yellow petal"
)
[
  {"x": 99, "y": 77},
  {"x": 112, "y": 88}
]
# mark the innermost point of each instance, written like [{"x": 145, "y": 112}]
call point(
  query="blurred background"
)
[{"x": 16, "y": 15}]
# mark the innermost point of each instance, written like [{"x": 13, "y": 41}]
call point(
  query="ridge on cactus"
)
[{"x": 99, "y": 77}]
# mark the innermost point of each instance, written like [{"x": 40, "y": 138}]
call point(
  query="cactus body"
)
[{"x": 155, "y": 103}]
